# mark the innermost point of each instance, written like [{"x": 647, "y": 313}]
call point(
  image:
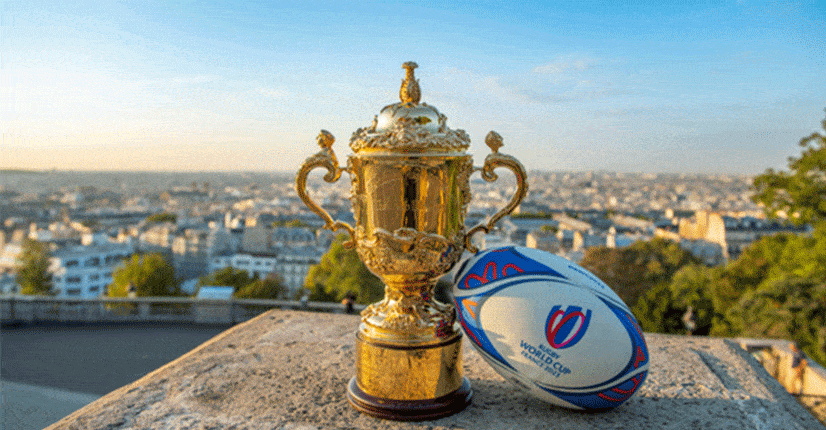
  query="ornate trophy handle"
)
[
  {"x": 492, "y": 161},
  {"x": 325, "y": 158}
]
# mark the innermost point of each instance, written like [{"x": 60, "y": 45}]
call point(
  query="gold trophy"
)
[{"x": 410, "y": 177}]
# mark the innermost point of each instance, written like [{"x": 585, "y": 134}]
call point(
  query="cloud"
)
[
  {"x": 565, "y": 64},
  {"x": 574, "y": 79},
  {"x": 563, "y": 81},
  {"x": 195, "y": 79},
  {"x": 470, "y": 87},
  {"x": 274, "y": 93}
]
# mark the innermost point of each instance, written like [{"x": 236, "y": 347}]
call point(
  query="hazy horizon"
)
[
  {"x": 697, "y": 88},
  {"x": 321, "y": 172}
]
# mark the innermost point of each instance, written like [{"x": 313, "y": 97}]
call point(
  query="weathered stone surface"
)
[{"x": 288, "y": 370}]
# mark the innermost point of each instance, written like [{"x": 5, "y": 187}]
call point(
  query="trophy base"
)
[
  {"x": 406, "y": 381},
  {"x": 409, "y": 410}
]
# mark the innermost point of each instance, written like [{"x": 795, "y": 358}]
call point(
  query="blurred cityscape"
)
[{"x": 92, "y": 221}]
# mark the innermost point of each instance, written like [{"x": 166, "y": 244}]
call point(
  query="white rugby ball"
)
[{"x": 551, "y": 327}]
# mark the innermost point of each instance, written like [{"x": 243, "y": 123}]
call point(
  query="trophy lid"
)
[{"x": 409, "y": 126}]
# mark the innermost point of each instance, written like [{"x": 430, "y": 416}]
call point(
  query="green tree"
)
[
  {"x": 657, "y": 311},
  {"x": 151, "y": 275},
  {"x": 662, "y": 307},
  {"x": 269, "y": 288},
  {"x": 692, "y": 285},
  {"x": 341, "y": 272},
  {"x": 756, "y": 264},
  {"x": 789, "y": 295},
  {"x": 634, "y": 270},
  {"x": 777, "y": 288},
  {"x": 228, "y": 277},
  {"x": 34, "y": 276},
  {"x": 90, "y": 223},
  {"x": 549, "y": 228},
  {"x": 799, "y": 193},
  {"x": 161, "y": 218},
  {"x": 533, "y": 215},
  {"x": 290, "y": 223},
  {"x": 787, "y": 308}
]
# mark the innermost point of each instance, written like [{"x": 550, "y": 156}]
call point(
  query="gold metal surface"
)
[
  {"x": 410, "y": 192},
  {"x": 492, "y": 161},
  {"x": 409, "y": 372},
  {"x": 325, "y": 158},
  {"x": 410, "y": 92}
]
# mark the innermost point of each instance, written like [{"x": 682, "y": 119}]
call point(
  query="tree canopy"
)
[
  {"x": 34, "y": 276},
  {"x": 799, "y": 193},
  {"x": 549, "y": 228},
  {"x": 778, "y": 290},
  {"x": 775, "y": 289},
  {"x": 634, "y": 270},
  {"x": 246, "y": 286},
  {"x": 341, "y": 272},
  {"x": 229, "y": 277},
  {"x": 290, "y": 223},
  {"x": 161, "y": 218},
  {"x": 269, "y": 288},
  {"x": 661, "y": 308},
  {"x": 151, "y": 275}
]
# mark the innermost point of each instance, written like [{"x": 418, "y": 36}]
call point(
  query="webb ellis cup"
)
[{"x": 410, "y": 177}]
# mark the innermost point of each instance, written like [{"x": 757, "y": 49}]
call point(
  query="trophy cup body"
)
[
  {"x": 410, "y": 191},
  {"x": 409, "y": 213}
]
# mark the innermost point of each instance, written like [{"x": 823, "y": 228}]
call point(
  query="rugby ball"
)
[{"x": 550, "y": 327}]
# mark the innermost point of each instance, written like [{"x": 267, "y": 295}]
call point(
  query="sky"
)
[{"x": 724, "y": 87}]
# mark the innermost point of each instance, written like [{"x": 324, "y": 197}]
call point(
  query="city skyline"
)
[{"x": 699, "y": 88}]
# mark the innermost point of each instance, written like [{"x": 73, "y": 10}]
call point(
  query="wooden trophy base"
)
[{"x": 409, "y": 410}]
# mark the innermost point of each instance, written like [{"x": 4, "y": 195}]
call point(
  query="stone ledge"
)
[{"x": 288, "y": 370}]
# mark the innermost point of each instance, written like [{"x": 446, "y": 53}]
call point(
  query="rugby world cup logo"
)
[{"x": 566, "y": 327}]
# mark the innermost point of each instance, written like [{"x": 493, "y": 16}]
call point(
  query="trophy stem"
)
[
  {"x": 408, "y": 288},
  {"x": 409, "y": 356}
]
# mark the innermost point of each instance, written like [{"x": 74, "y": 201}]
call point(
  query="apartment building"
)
[{"x": 85, "y": 271}]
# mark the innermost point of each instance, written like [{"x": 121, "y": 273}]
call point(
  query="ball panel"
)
[
  {"x": 638, "y": 352},
  {"x": 623, "y": 386},
  {"x": 640, "y": 358},
  {"x": 571, "y": 271},
  {"x": 606, "y": 399},
  {"x": 524, "y": 383},
  {"x": 497, "y": 264},
  {"x": 510, "y": 261},
  {"x": 556, "y": 327},
  {"x": 467, "y": 310}
]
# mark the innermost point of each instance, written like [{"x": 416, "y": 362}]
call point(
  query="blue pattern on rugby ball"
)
[{"x": 551, "y": 327}]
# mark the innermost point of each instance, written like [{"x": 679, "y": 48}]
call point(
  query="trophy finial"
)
[
  {"x": 494, "y": 141},
  {"x": 410, "y": 92}
]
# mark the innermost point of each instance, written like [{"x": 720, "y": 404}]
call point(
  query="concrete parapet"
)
[
  {"x": 17, "y": 309},
  {"x": 288, "y": 370},
  {"x": 776, "y": 357}
]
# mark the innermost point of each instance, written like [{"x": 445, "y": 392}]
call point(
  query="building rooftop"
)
[
  {"x": 215, "y": 293},
  {"x": 83, "y": 250}
]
